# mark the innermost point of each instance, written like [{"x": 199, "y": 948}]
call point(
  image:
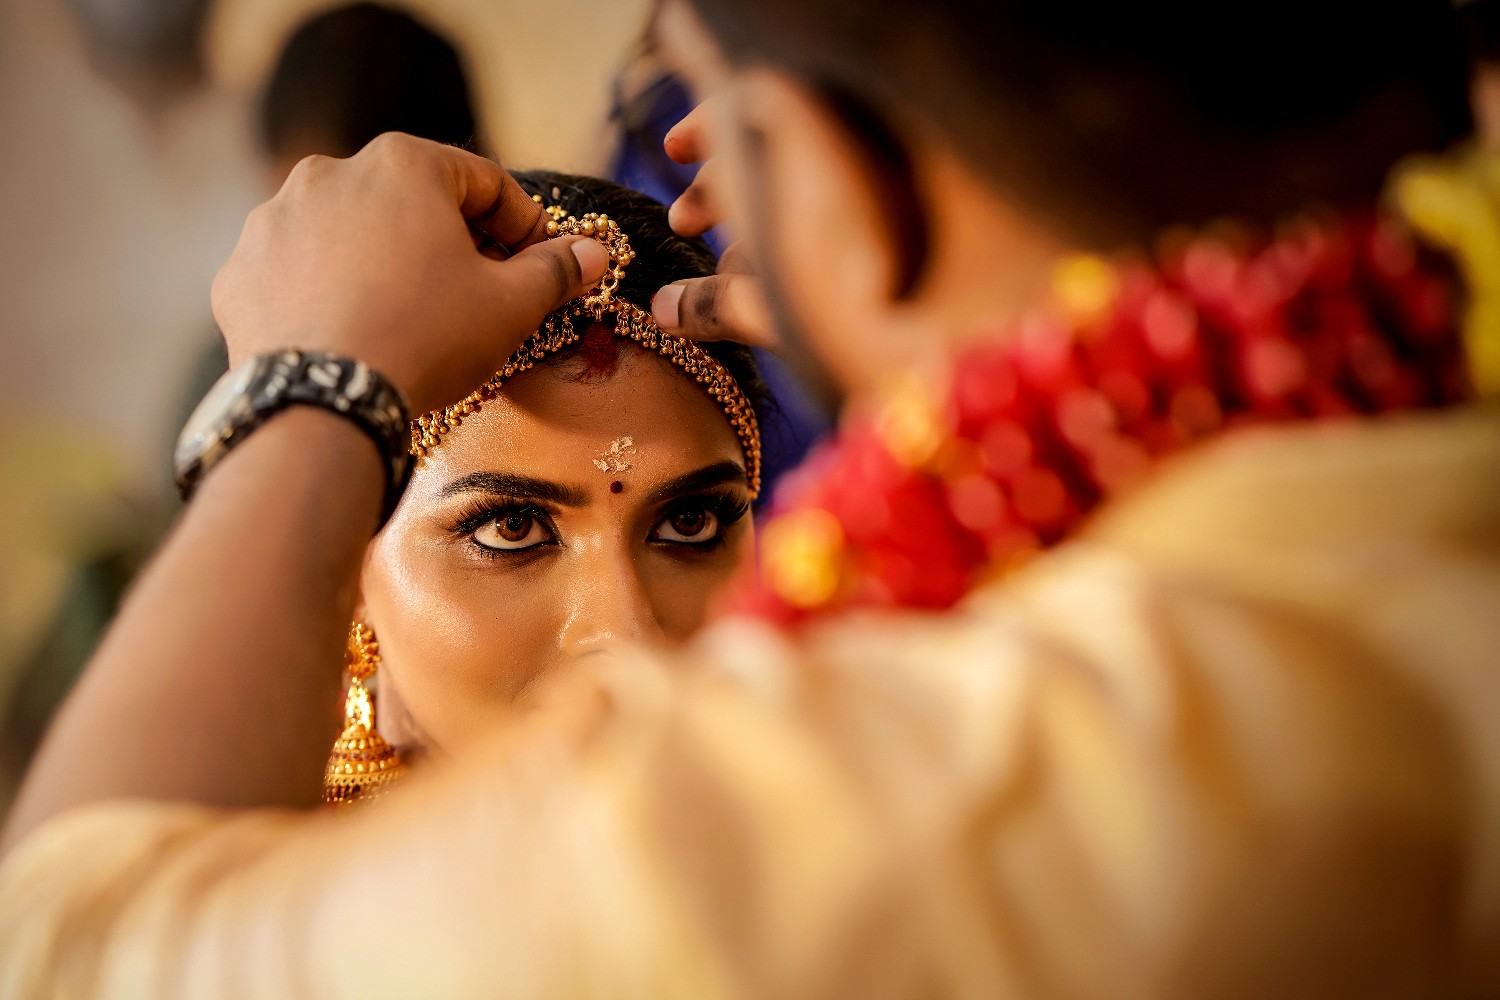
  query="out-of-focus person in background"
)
[
  {"x": 351, "y": 73},
  {"x": 497, "y": 514},
  {"x": 1135, "y": 637},
  {"x": 345, "y": 76}
]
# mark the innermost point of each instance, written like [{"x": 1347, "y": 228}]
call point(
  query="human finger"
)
[
  {"x": 718, "y": 307},
  {"x": 543, "y": 277},
  {"x": 687, "y": 141},
  {"x": 497, "y": 205},
  {"x": 698, "y": 209},
  {"x": 735, "y": 260},
  {"x": 488, "y": 197}
]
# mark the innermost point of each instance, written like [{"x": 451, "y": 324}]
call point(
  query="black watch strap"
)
[{"x": 261, "y": 387}]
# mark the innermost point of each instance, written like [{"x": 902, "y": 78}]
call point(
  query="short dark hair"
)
[
  {"x": 348, "y": 75},
  {"x": 662, "y": 257},
  {"x": 1119, "y": 119},
  {"x": 1481, "y": 20}
]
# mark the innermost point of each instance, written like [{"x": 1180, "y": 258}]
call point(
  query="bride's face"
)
[{"x": 564, "y": 518}]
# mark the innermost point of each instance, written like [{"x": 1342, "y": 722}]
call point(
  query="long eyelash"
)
[
  {"x": 727, "y": 507},
  {"x": 481, "y": 512},
  {"x": 478, "y": 513}
]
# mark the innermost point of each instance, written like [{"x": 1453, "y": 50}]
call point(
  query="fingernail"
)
[
  {"x": 665, "y": 307},
  {"x": 592, "y": 259}
]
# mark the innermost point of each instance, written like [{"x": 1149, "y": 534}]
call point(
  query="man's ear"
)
[
  {"x": 890, "y": 177},
  {"x": 816, "y": 209}
]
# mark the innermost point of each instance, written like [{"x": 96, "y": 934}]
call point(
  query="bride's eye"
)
[
  {"x": 513, "y": 531},
  {"x": 688, "y": 526}
]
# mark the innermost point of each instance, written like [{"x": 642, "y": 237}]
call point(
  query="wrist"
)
[
  {"x": 262, "y": 387},
  {"x": 308, "y": 451}
]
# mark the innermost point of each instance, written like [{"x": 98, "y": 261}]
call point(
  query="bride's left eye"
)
[
  {"x": 513, "y": 531},
  {"x": 695, "y": 525}
]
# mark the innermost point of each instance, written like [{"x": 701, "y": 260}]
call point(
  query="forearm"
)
[{"x": 218, "y": 682}]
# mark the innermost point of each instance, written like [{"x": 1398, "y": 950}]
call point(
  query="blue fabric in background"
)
[{"x": 793, "y": 423}]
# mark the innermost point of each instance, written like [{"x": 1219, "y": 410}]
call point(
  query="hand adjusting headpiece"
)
[{"x": 601, "y": 305}]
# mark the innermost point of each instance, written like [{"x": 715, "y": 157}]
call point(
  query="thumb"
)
[
  {"x": 717, "y": 307},
  {"x": 548, "y": 274}
]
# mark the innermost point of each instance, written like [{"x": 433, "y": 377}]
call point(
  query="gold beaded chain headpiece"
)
[{"x": 630, "y": 321}]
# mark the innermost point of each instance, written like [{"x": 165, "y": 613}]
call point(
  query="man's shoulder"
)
[
  {"x": 1337, "y": 497},
  {"x": 1358, "y": 558}
]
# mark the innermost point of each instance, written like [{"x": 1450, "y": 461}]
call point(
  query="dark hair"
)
[
  {"x": 1120, "y": 119},
  {"x": 662, "y": 257},
  {"x": 1481, "y": 20},
  {"x": 348, "y": 75}
]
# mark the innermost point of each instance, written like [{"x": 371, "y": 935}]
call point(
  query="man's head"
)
[
  {"x": 354, "y": 72},
  {"x": 910, "y": 169}
]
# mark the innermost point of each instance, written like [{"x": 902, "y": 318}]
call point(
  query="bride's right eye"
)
[{"x": 514, "y": 530}]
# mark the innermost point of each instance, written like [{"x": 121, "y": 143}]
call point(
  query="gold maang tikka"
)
[
  {"x": 362, "y": 765},
  {"x": 630, "y": 321}
]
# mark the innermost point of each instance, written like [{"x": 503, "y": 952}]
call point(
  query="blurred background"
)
[{"x": 137, "y": 135}]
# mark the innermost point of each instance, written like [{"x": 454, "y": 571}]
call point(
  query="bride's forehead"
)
[
  {"x": 556, "y": 411},
  {"x": 635, "y": 385}
]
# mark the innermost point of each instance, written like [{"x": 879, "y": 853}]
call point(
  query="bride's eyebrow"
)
[
  {"x": 699, "y": 479},
  {"x": 511, "y": 484}
]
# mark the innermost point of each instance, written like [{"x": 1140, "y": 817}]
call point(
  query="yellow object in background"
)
[
  {"x": 1453, "y": 201},
  {"x": 61, "y": 509},
  {"x": 60, "y": 504}
]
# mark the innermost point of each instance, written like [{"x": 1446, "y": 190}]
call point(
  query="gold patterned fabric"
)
[{"x": 1239, "y": 739}]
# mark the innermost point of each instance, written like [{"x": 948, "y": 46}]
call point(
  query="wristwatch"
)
[{"x": 258, "y": 388}]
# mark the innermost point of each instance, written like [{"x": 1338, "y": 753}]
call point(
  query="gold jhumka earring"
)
[{"x": 362, "y": 765}]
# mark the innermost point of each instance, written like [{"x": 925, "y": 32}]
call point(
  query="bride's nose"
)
[{"x": 607, "y": 606}]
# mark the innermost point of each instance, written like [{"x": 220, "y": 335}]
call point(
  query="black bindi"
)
[{"x": 617, "y": 487}]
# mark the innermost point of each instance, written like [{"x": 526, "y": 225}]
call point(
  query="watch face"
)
[{"x": 204, "y": 431}]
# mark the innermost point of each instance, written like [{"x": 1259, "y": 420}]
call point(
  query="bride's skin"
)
[{"x": 512, "y": 554}]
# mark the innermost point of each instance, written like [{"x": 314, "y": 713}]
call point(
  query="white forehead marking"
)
[{"x": 615, "y": 457}]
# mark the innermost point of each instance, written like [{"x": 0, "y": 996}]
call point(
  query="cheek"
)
[
  {"x": 769, "y": 186},
  {"x": 683, "y": 598},
  {"x": 457, "y": 641}
]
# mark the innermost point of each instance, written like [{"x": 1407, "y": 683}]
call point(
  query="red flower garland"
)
[{"x": 915, "y": 505}]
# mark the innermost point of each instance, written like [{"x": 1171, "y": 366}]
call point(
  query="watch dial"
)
[{"x": 203, "y": 430}]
